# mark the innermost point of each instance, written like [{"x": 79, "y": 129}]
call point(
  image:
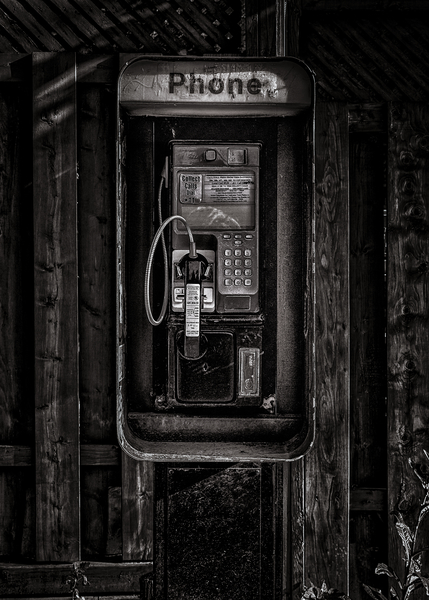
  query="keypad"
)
[{"x": 238, "y": 260}]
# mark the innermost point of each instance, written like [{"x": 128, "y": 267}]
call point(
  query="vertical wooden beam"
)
[
  {"x": 292, "y": 20},
  {"x": 55, "y": 310},
  {"x": 16, "y": 305},
  {"x": 137, "y": 509},
  {"x": 327, "y": 465},
  {"x": 407, "y": 320},
  {"x": 272, "y": 28},
  {"x": 96, "y": 188},
  {"x": 368, "y": 347}
]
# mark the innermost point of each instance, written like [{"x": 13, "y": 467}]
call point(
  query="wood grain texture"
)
[
  {"x": 16, "y": 311},
  {"x": 368, "y": 348},
  {"x": 137, "y": 509},
  {"x": 96, "y": 188},
  {"x": 297, "y": 528},
  {"x": 367, "y": 310},
  {"x": 327, "y": 465},
  {"x": 16, "y": 414},
  {"x": 342, "y": 5},
  {"x": 17, "y": 514},
  {"x": 55, "y": 310},
  {"x": 292, "y": 27},
  {"x": 408, "y": 315},
  {"x": 51, "y": 580}
]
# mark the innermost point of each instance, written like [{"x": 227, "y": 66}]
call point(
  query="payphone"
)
[
  {"x": 214, "y": 357},
  {"x": 213, "y": 261}
]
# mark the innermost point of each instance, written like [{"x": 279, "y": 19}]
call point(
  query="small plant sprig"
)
[
  {"x": 76, "y": 578},
  {"x": 323, "y": 593},
  {"x": 413, "y": 558}
]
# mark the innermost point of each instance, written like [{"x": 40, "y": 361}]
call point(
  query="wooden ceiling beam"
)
[{"x": 370, "y": 5}]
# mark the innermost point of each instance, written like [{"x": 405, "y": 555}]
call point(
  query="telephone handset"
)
[
  {"x": 193, "y": 266},
  {"x": 193, "y": 269}
]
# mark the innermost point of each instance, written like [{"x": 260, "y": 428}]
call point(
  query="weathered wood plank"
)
[
  {"x": 297, "y": 529},
  {"x": 368, "y": 347},
  {"x": 18, "y": 39},
  {"x": 327, "y": 465},
  {"x": 137, "y": 509},
  {"x": 407, "y": 316},
  {"x": 251, "y": 27},
  {"x": 33, "y": 28},
  {"x": 114, "y": 522},
  {"x": 91, "y": 455},
  {"x": 96, "y": 189},
  {"x": 104, "y": 23},
  {"x": 51, "y": 580},
  {"x": 368, "y": 499},
  {"x": 364, "y": 555},
  {"x": 100, "y": 455},
  {"x": 367, "y": 118},
  {"x": 55, "y": 310},
  {"x": 267, "y": 30},
  {"x": 11, "y": 69},
  {"x": 16, "y": 418},
  {"x": 367, "y": 310},
  {"x": 97, "y": 68},
  {"x": 96, "y": 484},
  {"x": 89, "y": 596},
  {"x": 344, "y": 5},
  {"x": 15, "y": 456},
  {"x": 292, "y": 27},
  {"x": 17, "y": 514}
]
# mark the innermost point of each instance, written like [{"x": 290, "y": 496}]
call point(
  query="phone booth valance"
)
[{"x": 215, "y": 290}]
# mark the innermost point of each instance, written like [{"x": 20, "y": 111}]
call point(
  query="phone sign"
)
[{"x": 191, "y": 188}]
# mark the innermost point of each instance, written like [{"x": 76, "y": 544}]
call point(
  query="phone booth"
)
[{"x": 215, "y": 289}]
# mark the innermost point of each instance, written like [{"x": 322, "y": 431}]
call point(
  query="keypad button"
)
[
  {"x": 228, "y": 252},
  {"x": 238, "y": 242},
  {"x": 248, "y": 262},
  {"x": 237, "y": 282},
  {"x": 248, "y": 272},
  {"x": 247, "y": 282},
  {"x": 247, "y": 252},
  {"x": 237, "y": 272},
  {"x": 238, "y": 262},
  {"x": 237, "y": 252},
  {"x": 227, "y": 262},
  {"x": 248, "y": 236},
  {"x": 226, "y": 236},
  {"x": 228, "y": 282},
  {"x": 228, "y": 272}
]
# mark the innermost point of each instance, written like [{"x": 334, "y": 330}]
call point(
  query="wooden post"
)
[
  {"x": 55, "y": 310},
  {"x": 293, "y": 11},
  {"x": 137, "y": 509},
  {"x": 407, "y": 319},
  {"x": 368, "y": 347},
  {"x": 327, "y": 465}
]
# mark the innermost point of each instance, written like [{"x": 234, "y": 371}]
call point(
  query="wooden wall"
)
[{"x": 67, "y": 493}]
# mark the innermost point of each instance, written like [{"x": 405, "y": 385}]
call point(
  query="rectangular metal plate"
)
[{"x": 249, "y": 369}]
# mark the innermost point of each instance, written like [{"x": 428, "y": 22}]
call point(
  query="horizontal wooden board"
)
[
  {"x": 51, "y": 580},
  {"x": 365, "y": 499},
  {"x": 91, "y": 455}
]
